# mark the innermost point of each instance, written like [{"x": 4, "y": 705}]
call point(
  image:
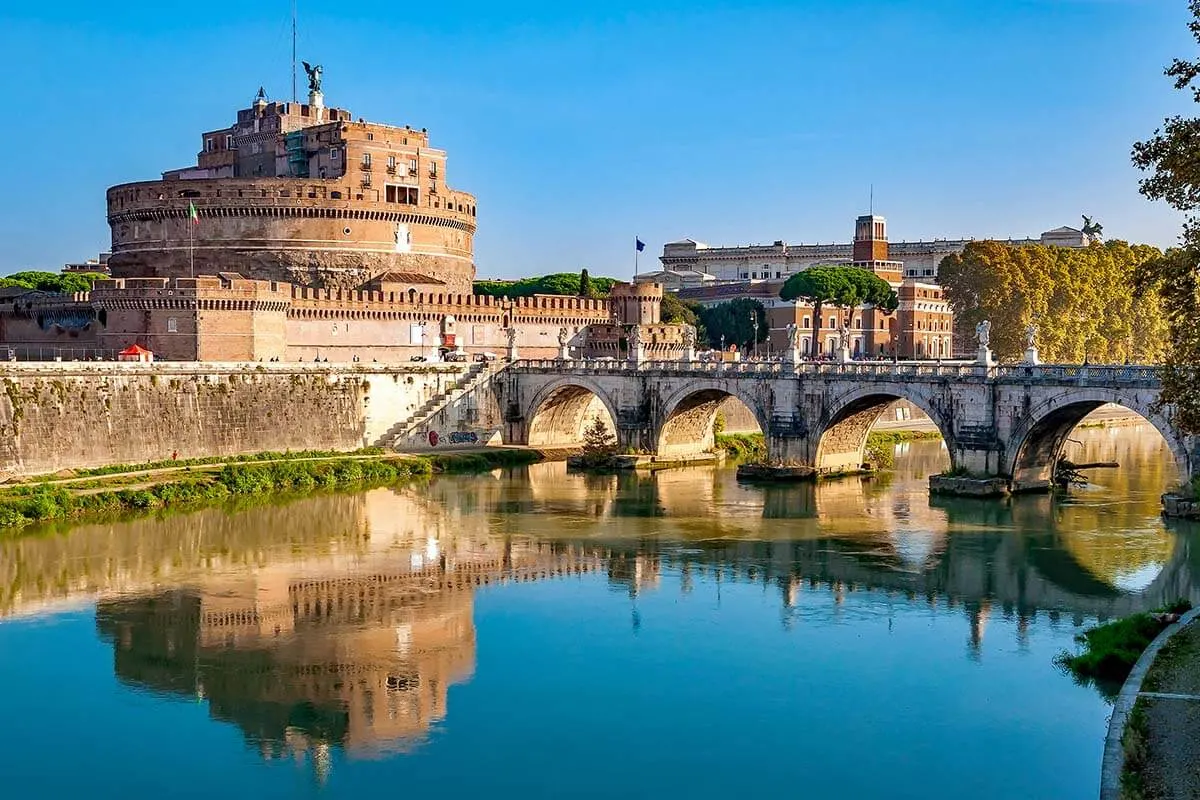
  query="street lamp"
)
[{"x": 754, "y": 322}]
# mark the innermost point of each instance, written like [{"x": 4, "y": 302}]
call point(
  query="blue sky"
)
[{"x": 579, "y": 125}]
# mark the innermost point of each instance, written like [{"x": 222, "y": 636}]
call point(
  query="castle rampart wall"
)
[{"x": 230, "y": 318}]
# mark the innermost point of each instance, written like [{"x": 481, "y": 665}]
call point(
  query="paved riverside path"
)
[{"x": 1171, "y": 696}]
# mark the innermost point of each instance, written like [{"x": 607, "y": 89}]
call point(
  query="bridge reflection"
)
[{"x": 340, "y": 621}]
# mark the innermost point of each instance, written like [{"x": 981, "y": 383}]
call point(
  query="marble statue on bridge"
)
[
  {"x": 983, "y": 332},
  {"x": 1031, "y": 351}
]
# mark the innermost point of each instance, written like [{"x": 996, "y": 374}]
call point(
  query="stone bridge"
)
[{"x": 1001, "y": 421}]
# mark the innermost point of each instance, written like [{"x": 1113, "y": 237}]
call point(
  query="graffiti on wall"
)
[{"x": 455, "y": 437}]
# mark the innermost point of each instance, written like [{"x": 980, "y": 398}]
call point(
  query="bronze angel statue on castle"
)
[
  {"x": 1092, "y": 229},
  {"x": 314, "y": 76}
]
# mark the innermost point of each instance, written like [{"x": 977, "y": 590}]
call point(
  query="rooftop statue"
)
[
  {"x": 1093, "y": 229},
  {"x": 314, "y": 76}
]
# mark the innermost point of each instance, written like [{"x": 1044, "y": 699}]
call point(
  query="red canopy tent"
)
[{"x": 135, "y": 353}]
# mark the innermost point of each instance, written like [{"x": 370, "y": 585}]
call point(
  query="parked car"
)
[
  {"x": 418, "y": 358},
  {"x": 485, "y": 356},
  {"x": 454, "y": 357}
]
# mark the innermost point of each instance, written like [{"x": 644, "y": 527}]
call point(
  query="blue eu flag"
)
[{"x": 640, "y": 245}]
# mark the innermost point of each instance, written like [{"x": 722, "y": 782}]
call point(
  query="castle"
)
[
  {"x": 303, "y": 234},
  {"x": 301, "y": 193}
]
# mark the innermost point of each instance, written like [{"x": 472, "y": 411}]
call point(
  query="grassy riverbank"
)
[
  {"x": 150, "y": 487},
  {"x": 880, "y": 451},
  {"x": 742, "y": 446},
  {"x": 1110, "y": 650},
  {"x": 881, "y": 445}
]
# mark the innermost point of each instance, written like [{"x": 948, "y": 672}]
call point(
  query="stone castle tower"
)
[{"x": 302, "y": 193}]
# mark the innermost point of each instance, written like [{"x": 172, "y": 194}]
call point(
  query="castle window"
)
[
  {"x": 807, "y": 322},
  {"x": 208, "y": 144},
  {"x": 334, "y": 154},
  {"x": 172, "y": 325},
  {"x": 229, "y": 141},
  {"x": 335, "y": 195},
  {"x": 370, "y": 137}
]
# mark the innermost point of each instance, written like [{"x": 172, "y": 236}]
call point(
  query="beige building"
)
[
  {"x": 302, "y": 193},
  {"x": 692, "y": 263}
]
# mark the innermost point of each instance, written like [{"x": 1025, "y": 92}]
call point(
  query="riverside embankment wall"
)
[{"x": 56, "y": 416}]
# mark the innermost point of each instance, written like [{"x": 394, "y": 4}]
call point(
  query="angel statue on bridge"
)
[
  {"x": 983, "y": 332},
  {"x": 793, "y": 334}
]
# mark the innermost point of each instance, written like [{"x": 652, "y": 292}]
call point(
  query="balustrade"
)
[{"x": 881, "y": 370}]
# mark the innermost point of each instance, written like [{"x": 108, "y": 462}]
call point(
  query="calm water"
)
[{"x": 538, "y": 634}]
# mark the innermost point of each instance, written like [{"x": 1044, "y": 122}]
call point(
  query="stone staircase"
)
[{"x": 475, "y": 375}]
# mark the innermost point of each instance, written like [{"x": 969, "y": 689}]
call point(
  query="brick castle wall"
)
[
  {"x": 321, "y": 232},
  {"x": 231, "y": 318}
]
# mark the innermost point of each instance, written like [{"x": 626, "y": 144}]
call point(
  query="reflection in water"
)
[{"x": 342, "y": 621}]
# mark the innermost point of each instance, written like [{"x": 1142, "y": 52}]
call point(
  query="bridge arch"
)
[
  {"x": 1038, "y": 438},
  {"x": 560, "y": 411},
  {"x": 686, "y": 424},
  {"x": 841, "y": 438}
]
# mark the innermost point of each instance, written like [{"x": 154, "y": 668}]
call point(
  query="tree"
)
[
  {"x": 678, "y": 312},
  {"x": 734, "y": 322},
  {"x": 870, "y": 290},
  {"x": 585, "y": 283},
  {"x": 561, "y": 283},
  {"x": 56, "y": 282},
  {"x": 846, "y": 287},
  {"x": 1170, "y": 156},
  {"x": 817, "y": 286},
  {"x": 1081, "y": 299},
  {"x": 599, "y": 443}
]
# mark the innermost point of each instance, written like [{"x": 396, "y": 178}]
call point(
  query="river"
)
[{"x": 533, "y": 633}]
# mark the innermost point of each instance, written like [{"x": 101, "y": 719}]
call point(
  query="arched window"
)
[{"x": 172, "y": 325}]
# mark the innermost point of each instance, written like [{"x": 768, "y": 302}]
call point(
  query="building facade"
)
[
  {"x": 692, "y": 263},
  {"x": 921, "y": 327},
  {"x": 305, "y": 194}
]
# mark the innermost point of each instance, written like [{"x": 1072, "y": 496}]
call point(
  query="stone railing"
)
[
  {"x": 1080, "y": 372},
  {"x": 1051, "y": 373}
]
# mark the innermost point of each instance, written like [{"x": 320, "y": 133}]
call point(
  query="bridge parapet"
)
[{"x": 1075, "y": 374}]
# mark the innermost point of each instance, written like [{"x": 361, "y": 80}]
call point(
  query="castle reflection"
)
[{"x": 341, "y": 621}]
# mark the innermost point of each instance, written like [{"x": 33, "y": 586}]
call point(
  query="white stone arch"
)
[
  {"x": 685, "y": 426},
  {"x": 1035, "y": 442},
  {"x": 849, "y": 416},
  {"x": 560, "y": 409}
]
